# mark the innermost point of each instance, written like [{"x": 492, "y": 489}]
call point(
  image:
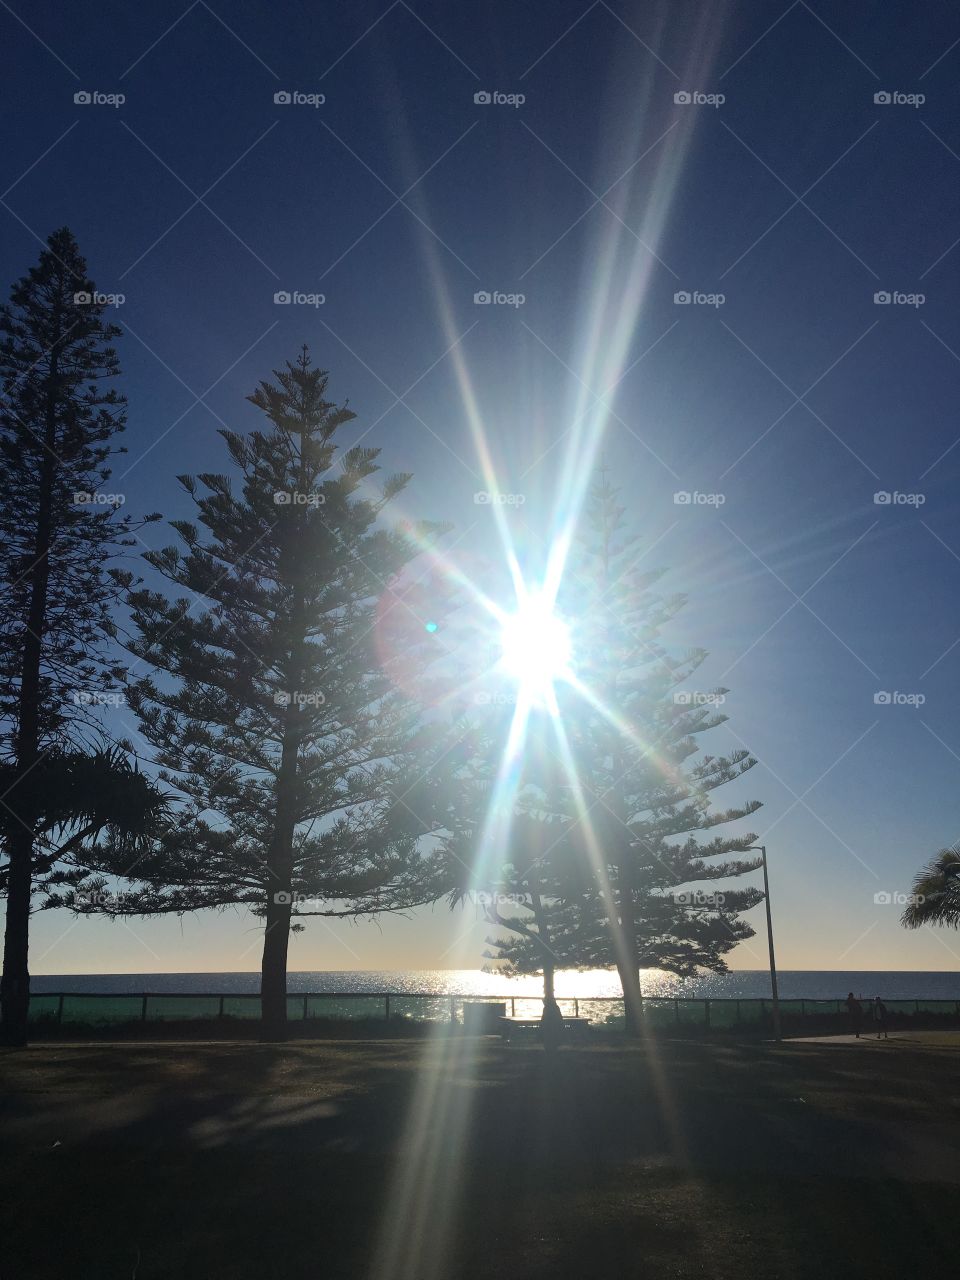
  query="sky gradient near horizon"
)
[{"x": 754, "y": 298}]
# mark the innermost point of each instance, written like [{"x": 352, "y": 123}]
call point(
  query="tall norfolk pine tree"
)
[
  {"x": 57, "y": 424},
  {"x": 536, "y": 885},
  {"x": 277, "y": 714},
  {"x": 631, "y": 885}
]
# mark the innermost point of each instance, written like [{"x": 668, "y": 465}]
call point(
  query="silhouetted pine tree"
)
[
  {"x": 533, "y": 881},
  {"x": 632, "y": 816},
  {"x": 57, "y": 423},
  {"x": 280, "y": 715}
]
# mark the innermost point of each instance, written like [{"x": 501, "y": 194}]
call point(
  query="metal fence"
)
[{"x": 92, "y": 1010}]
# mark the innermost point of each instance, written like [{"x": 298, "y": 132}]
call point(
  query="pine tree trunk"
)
[
  {"x": 15, "y": 982},
  {"x": 626, "y": 952},
  {"x": 273, "y": 976},
  {"x": 546, "y": 952},
  {"x": 621, "y": 907},
  {"x": 632, "y": 1000},
  {"x": 276, "y": 938}
]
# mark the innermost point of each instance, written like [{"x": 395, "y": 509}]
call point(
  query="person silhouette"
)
[
  {"x": 551, "y": 1025},
  {"x": 855, "y": 1013},
  {"x": 880, "y": 1017}
]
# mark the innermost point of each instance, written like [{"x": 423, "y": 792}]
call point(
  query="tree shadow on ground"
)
[{"x": 283, "y": 1160}]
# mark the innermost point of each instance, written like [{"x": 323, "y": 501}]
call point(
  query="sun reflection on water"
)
[{"x": 570, "y": 983}]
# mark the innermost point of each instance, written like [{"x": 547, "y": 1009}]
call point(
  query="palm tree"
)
[
  {"x": 936, "y": 893},
  {"x": 79, "y": 798}
]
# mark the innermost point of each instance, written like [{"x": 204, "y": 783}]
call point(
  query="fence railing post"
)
[
  {"x": 220, "y": 1012},
  {"x": 143, "y": 1009},
  {"x": 453, "y": 1009},
  {"x": 706, "y": 1013},
  {"x": 60, "y": 1012},
  {"x": 386, "y": 1007},
  {"x": 513, "y": 1006},
  {"x": 576, "y": 1007}
]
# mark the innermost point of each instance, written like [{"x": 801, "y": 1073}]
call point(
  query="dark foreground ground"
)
[{"x": 401, "y": 1160}]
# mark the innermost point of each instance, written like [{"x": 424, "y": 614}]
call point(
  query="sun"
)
[{"x": 535, "y": 647}]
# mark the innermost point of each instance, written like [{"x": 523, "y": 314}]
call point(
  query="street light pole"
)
[{"x": 773, "y": 964}]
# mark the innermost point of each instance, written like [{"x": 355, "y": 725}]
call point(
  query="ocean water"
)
[{"x": 795, "y": 984}]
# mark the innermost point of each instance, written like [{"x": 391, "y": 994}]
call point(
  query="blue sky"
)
[{"x": 785, "y": 408}]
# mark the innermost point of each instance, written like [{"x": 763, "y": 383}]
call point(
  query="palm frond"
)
[{"x": 936, "y": 893}]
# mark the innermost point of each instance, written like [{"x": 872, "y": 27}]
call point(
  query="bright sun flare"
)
[{"x": 536, "y": 647}]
